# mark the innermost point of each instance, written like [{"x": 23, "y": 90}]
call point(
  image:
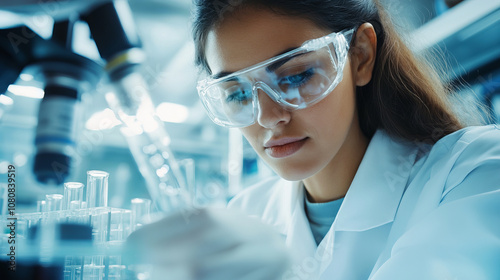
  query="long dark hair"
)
[{"x": 405, "y": 96}]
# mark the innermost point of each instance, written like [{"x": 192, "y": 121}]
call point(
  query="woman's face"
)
[{"x": 296, "y": 144}]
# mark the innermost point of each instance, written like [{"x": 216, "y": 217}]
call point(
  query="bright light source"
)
[
  {"x": 138, "y": 200},
  {"x": 111, "y": 98},
  {"x": 20, "y": 159},
  {"x": 145, "y": 115},
  {"x": 102, "y": 120},
  {"x": 4, "y": 166},
  {"x": 166, "y": 140},
  {"x": 5, "y": 100},
  {"x": 26, "y": 77},
  {"x": 143, "y": 276},
  {"x": 26, "y": 91},
  {"x": 131, "y": 131},
  {"x": 170, "y": 112},
  {"x": 162, "y": 171}
]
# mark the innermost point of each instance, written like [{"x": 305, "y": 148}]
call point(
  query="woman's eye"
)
[
  {"x": 298, "y": 79},
  {"x": 239, "y": 95}
]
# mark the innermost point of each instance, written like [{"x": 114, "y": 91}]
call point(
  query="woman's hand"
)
[{"x": 208, "y": 244}]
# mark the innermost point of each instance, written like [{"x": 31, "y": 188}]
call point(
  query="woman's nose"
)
[{"x": 271, "y": 114}]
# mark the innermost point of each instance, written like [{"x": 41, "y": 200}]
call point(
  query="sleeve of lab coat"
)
[{"x": 460, "y": 239}]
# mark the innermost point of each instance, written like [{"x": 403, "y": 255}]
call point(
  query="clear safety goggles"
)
[{"x": 295, "y": 80}]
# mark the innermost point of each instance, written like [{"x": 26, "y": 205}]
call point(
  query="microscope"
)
[{"x": 66, "y": 75}]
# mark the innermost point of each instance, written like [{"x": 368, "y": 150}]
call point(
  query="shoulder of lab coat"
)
[{"x": 448, "y": 224}]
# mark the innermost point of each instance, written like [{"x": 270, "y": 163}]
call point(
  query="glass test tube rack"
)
[{"x": 110, "y": 228}]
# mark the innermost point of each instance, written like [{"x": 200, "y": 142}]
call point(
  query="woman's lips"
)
[{"x": 284, "y": 147}]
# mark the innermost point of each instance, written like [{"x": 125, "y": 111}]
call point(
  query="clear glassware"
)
[
  {"x": 93, "y": 268},
  {"x": 54, "y": 202},
  {"x": 41, "y": 206},
  {"x": 73, "y": 195},
  {"x": 97, "y": 188},
  {"x": 119, "y": 225},
  {"x": 141, "y": 209},
  {"x": 187, "y": 166},
  {"x": 149, "y": 142},
  {"x": 100, "y": 222}
]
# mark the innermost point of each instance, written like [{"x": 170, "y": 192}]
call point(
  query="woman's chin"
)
[{"x": 293, "y": 175}]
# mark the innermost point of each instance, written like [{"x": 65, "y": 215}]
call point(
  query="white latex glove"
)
[{"x": 209, "y": 244}]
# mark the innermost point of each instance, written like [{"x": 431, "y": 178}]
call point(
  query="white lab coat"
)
[{"x": 413, "y": 211}]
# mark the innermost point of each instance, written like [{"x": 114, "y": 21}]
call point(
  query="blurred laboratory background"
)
[{"x": 465, "y": 34}]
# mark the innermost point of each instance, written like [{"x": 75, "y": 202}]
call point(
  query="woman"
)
[{"x": 379, "y": 178}]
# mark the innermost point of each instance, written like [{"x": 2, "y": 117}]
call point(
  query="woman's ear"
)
[{"x": 364, "y": 53}]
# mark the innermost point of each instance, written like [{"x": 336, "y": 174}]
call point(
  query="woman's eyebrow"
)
[
  {"x": 282, "y": 61},
  {"x": 221, "y": 74},
  {"x": 270, "y": 68}
]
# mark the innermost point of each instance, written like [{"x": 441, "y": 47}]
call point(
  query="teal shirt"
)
[{"x": 321, "y": 216}]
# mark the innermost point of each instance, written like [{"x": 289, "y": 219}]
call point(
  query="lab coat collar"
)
[
  {"x": 299, "y": 235},
  {"x": 371, "y": 201},
  {"x": 376, "y": 190}
]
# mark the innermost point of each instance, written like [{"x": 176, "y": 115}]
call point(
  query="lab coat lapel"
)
[
  {"x": 371, "y": 202},
  {"x": 299, "y": 235},
  {"x": 376, "y": 190},
  {"x": 369, "y": 207}
]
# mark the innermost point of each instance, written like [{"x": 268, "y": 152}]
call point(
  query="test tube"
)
[
  {"x": 94, "y": 268},
  {"x": 97, "y": 188},
  {"x": 54, "y": 202},
  {"x": 117, "y": 225},
  {"x": 188, "y": 169},
  {"x": 41, "y": 206},
  {"x": 116, "y": 268},
  {"x": 141, "y": 208},
  {"x": 73, "y": 195},
  {"x": 100, "y": 222},
  {"x": 127, "y": 222}
]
